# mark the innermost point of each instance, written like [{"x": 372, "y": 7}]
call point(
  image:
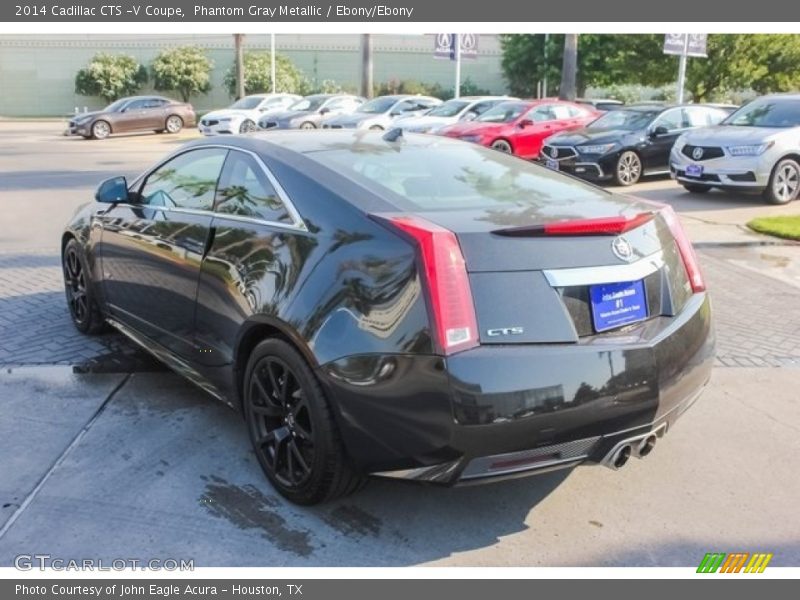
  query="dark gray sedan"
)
[{"x": 309, "y": 112}]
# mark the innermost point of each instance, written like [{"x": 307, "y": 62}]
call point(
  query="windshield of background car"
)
[
  {"x": 377, "y": 106},
  {"x": 311, "y": 103},
  {"x": 503, "y": 113},
  {"x": 455, "y": 176},
  {"x": 772, "y": 112},
  {"x": 116, "y": 106},
  {"x": 246, "y": 103},
  {"x": 629, "y": 120},
  {"x": 449, "y": 109}
]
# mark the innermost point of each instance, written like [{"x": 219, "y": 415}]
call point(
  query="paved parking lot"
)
[{"x": 123, "y": 459}]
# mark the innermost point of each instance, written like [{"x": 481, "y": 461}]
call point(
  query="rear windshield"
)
[
  {"x": 455, "y": 176},
  {"x": 768, "y": 112}
]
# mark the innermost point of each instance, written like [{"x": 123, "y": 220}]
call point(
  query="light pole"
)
[
  {"x": 682, "y": 68},
  {"x": 272, "y": 61},
  {"x": 457, "y": 50}
]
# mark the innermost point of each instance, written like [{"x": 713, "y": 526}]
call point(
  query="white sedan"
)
[{"x": 242, "y": 115}]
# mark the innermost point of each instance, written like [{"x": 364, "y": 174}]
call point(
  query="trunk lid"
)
[{"x": 537, "y": 288}]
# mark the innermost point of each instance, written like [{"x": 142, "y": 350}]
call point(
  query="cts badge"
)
[{"x": 505, "y": 331}]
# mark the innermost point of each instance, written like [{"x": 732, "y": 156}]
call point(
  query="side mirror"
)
[
  {"x": 112, "y": 191},
  {"x": 525, "y": 123},
  {"x": 660, "y": 130},
  {"x": 324, "y": 111},
  {"x": 470, "y": 116}
]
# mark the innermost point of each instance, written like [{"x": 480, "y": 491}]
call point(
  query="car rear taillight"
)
[
  {"x": 599, "y": 226},
  {"x": 445, "y": 272},
  {"x": 685, "y": 248}
]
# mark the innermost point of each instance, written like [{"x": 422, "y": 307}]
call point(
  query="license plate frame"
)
[
  {"x": 695, "y": 171},
  {"x": 615, "y": 305}
]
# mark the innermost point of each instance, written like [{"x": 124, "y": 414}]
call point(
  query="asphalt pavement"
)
[{"x": 106, "y": 454}]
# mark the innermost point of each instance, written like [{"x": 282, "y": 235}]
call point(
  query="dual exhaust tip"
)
[{"x": 639, "y": 447}]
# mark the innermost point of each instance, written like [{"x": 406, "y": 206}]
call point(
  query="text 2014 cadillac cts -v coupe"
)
[{"x": 406, "y": 306}]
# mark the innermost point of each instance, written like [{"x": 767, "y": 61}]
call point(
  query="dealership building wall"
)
[{"x": 37, "y": 72}]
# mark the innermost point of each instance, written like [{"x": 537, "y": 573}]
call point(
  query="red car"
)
[{"x": 519, "y": 127}]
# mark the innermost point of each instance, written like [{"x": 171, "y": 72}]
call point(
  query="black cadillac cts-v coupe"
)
[{"x": 399, "y": 305}]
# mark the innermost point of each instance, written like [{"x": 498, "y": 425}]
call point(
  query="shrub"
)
[
  {"x": 185, "y": 70},
  {"x": 258, "y": 79},
  {"x": 110, "y": 76}
]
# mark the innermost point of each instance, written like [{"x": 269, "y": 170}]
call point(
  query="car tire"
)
[
  {"x": 173, "y": 124},
  {"x": 784, "y": 182},
  {"x": 696, "y": 188},
  {"x": 502, "y": 146},
  {"x": 307, "y": 125},
  {"x": 292, "y": 428},
  {"x": 247, "y": 126},
  {"x": 628, "y": 169},
  {"x": 83, "y": 308},
  {"x": 376, "y": 128},
  {"x": 100, "y": 130}
]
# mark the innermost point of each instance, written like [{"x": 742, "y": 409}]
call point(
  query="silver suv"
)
[{"x": 757, "y": 148}]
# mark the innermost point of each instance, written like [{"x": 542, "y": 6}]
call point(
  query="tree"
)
[
  {"x": 257, "y": 78},
  {"x": 238, "y": 64},
  {"x": 110, "y": 76},
  {"x": 185, "y": 70},
  {"x": 603, "y": 60},
  {"x": 763, "y": 62},
  {"x": 569, "y": 70}
]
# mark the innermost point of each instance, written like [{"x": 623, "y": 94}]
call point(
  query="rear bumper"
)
[{"x": 506, "y": 410}]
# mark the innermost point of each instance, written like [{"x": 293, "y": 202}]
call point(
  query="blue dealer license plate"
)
[
  {"x": 694, "y": 170},
  {"x": 617, "y": 304}
]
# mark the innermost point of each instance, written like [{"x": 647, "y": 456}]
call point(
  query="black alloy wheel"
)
[
  {"x": 77, "y": 284},
  {"x": 292, "y": 429}
]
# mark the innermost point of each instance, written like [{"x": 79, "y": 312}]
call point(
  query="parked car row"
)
[{"x": 755, "y": 148}]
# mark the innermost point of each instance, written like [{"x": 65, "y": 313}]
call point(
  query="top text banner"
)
[{"x": 445, "y": 11}]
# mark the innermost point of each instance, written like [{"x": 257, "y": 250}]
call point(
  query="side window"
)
[
  {"x": 136, "y": 105},
  {"x": 425, "y": 104},
  {"x": 245, "y": 190},
  {"x": 154, "y": 103},
  {"x": 561, "y": 111},
  {"x": 576, "y": 113},
  {"x": 404, "y": 106},
  {"x": 541, "y": 113},
  {"x": 672, "y": 120},
  {"x": 187, "y": 181},
  {"x": 482, "y": 107},
  {"x": 336, "y": 104}
]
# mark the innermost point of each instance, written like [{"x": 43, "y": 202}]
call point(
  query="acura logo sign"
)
[
  {"x": 554, "y": 152},
  {"x": 697, "y": 153},
  {"x": 622, "y": 249}
]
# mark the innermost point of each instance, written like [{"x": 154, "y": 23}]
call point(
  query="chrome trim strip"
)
[
  {"x": 640, "y": 269},
  {"x": 298, "y": 223},
  {"x": 600, "y": 172}
]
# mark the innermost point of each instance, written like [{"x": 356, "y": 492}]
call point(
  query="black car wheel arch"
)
[{"x": 292, "y": 428}]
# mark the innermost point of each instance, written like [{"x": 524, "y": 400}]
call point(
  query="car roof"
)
[{"x": 309, "y": 142}]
